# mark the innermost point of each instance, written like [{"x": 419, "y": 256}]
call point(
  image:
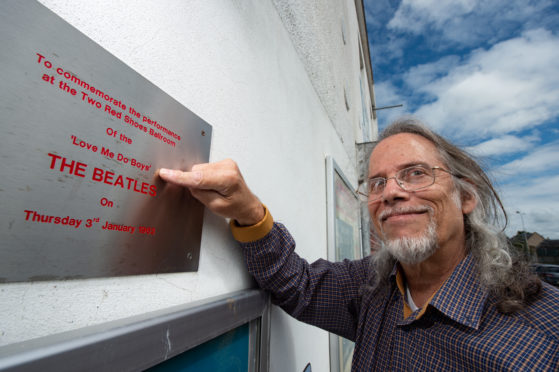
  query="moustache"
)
[{"x": 389, "y": 212}]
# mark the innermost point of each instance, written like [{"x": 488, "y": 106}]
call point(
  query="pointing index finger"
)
[
  {"x": 200, "y": 178},
  {"x": 186, "y": 179}
]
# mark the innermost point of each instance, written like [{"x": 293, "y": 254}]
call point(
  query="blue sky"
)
[{"x": 484, "y": 74}]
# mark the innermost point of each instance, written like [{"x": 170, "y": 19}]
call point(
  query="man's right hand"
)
[{"x": 220, "y": 187}]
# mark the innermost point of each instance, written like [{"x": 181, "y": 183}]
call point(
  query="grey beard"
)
[{"x": 413, "y": 250}]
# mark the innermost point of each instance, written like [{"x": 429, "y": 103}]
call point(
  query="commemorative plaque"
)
[{"x": 82, "y": 137}]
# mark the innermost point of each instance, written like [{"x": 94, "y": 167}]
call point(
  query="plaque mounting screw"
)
[
  {"x": 203, "y": 132},
  {"x": 189, "y": 256}
]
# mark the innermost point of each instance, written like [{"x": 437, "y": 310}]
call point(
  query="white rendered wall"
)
[
  {"x": 235, "y": 64},
  {"x": 326, "y": 36}
]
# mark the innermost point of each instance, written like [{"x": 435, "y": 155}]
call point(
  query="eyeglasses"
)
[{"x": 412, "y": 178}]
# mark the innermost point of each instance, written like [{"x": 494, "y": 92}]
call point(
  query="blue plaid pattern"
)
[{"x": 461, "y": 330}]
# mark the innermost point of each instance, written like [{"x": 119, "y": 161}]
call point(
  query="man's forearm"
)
[{"x": 313, "y": 293}]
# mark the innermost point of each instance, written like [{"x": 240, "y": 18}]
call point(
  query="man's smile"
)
[{"x": 402, "y": 213}]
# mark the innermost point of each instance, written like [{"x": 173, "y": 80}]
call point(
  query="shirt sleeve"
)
[{"x": 324, "y": 294}]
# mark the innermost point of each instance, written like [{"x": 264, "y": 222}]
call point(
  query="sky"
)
[{"x": 484, "y": 74}]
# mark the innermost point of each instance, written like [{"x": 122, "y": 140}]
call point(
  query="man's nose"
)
[{"x": 392, "y": 191}]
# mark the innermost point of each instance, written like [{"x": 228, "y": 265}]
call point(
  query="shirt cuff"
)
[{"x": 245, "y": 234}]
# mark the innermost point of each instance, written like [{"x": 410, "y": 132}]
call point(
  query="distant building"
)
[
  {"x": 548, "y": 252},
  {"x": 533, "y": 239}
]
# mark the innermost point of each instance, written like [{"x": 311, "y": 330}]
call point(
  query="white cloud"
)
[
  {"x": 510, "y": 87},
  {"x": 538, "y": 201},
  {"x": 527, "y": 188},
  {"x": 543, "y": 159},
  {"x": 419, "y": 77},
  {"x": 388, "y": 95},
  {"x": 467, "y": 22},
  {"x": 503, "y": 145},
  {"x": 416, "y": 15},
  {"x": 383, "y": 52},
  {"x": 377, "y": 13}
]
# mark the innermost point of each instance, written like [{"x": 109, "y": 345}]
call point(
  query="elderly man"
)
[{"x": 442, "y": 291}]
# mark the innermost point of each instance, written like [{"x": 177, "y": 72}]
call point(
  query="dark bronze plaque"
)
[{"x": 82, "y": 136}]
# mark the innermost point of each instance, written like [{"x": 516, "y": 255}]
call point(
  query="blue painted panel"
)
[{"x": 225, "y": 353}]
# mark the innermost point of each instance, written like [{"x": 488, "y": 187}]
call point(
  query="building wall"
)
[
  {"x": 243, "y": 67},
  {"x": 548, "y": 252}
]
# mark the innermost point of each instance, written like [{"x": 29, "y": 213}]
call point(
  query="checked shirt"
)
[{"x": 459, "y": 330}]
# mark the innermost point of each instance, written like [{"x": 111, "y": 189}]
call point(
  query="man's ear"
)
[{"x": 469, "y": 201}]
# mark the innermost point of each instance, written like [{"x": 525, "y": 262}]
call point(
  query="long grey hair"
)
[{"x": 502, "y": 273}]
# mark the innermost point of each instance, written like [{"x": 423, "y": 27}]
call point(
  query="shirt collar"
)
[{"x": 460, "y": 298}]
